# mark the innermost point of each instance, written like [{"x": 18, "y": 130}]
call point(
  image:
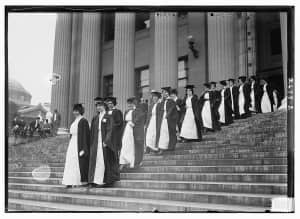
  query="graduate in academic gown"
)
[
  {"x": 191, "y": 124},
  {"x": 208, "y": 116},
  {"x": 244, "y": 97},
  {"x": 103, "y": 170},
  {"x": 225, "y": 110},
  {"x": 151, "y": 122},
  {"x": 132, "y": 151},
  {"x": 180, "y": 105},
  {"x": 267, "y": 100},
  {"x": 215, "y": 101},
  {"x": 234, "y": 93},
  {"x": 77, "y": 157},
  {"x": 168, "y": 118},
  {"x": 255, "y": 95}
]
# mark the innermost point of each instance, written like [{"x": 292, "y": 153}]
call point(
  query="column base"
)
[{"x": 284, "y": 204}]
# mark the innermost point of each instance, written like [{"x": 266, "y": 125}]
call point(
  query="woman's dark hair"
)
[{"x": 79, "y": 108}]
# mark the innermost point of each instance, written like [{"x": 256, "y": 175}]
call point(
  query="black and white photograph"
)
[{"x": 149, "y": 109}]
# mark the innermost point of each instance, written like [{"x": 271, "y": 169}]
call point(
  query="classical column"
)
[
  {"x": 90, "y": 62},
  {"x": 123, "y": 75},
  {"x": 165, "y": 50},
  {"x": 283, "y": 28},
  {"x": 75, "y": 63},
  {"x": 61, "y": 66},
  {"x": 242, "y": 51},
  {"x": 251, "y": 43},
  {"x": 221, "y": 30}
]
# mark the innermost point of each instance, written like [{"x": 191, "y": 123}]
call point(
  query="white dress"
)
[
  {"x": 241, "y": 100},
  {"x": 127, "y": 150},
  {"x": 72, "y": 174},
  {"x": 265, "y": 101},
  {"x": 206, "y": 112},
  {"x": 189, "y": 127},
  {"x": 222, "y": 107},
  {"x": 100, "y": 166},
  {"x": 151, "y": 130},
  {"x": 164, "y": 138},
  {"x": 252, "y": 96}
]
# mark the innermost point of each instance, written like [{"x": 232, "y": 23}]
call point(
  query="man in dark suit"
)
[{"x": 179, "y": 106}]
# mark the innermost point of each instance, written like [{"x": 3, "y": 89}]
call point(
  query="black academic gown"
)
[
  {"x": 180, "y": 106},
  {"x": 110, "y": 154},
  {"x": 117, "y": 128},
  {"x": 227, "y": 107},
  {"x": 172, "y": 118},
  {"x": 83, "y": 143},
  {"x": 257, "y": 96},
  {"x": 197, "y": 114},
  {"x": 234, "y": 92},
  {"x": 214, "y": 115},
  {"x": 138, "y": 119},
  {"x": 215, "y": 101}
]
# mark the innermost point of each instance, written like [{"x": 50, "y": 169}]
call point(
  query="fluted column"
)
[
  {"x": 242, "y": 51},
  {"x": 221, "y": 45},
  {"x": 75, "y": 63},
  {"x": 61, "y": 66},
  {"x": 123, "y": 76},
  {"x": 283, "y": 28},
  {"x": 165, "y": 50},
  {"x": 90, "y": 62},
  {"x": 251, "y": 43}
]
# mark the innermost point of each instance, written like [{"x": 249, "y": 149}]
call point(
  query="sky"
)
[{"x": 30, "y": 52}]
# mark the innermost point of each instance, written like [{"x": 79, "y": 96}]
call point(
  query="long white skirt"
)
[
  {"x": 222, "y": 111},
  {"x": 241, "y": 104},
  {"x": 127, "y": 151},
  {"x": 189, "y": 127},
  {"x": 72, "y": 174},
  {"x": 206, "y": 115},
  {"x": 151, "y": 134},
  {"x": 100, "y": 166},
  {"x": 265, "y": 103},
  {"x": 164, "y": 138}
]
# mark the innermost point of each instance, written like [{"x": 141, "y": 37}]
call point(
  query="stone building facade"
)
[{"x": 128, "y": 54}]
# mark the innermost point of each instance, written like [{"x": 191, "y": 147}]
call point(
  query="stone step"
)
[
  {"x": 212, "y": 177},
  {"x": 148, "y": 204},
  {"x": 36, "y": 206},
  {"x": 231, "y": 187},
  {"x": 207, "y": 162},
  {"x": 193, "y": 169}
]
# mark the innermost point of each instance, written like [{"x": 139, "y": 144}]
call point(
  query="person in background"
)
[
  {"x": 191, "y": 125},
  {"x": 267, "y": 100},
  {"x": 47, "y": 128},
  {"x": 225, "y": 110},
  {"x": 167, "y": 121},
  {"x": 215, "y": 102},
  {"x": 77, "y": 157},
  {"x": 151, "y": 123},
  {"x": 144, "y": 106},
  {"x": 244, "y": 97},
  {"x": 180, "y": 105},
  {"x": 255, "y": 95},
  {"x": 205, "y": 106},
  {"x": 234, "y": 93},
  {"x": 276, "y": 101},
  {"x": 56, "y": 121}
]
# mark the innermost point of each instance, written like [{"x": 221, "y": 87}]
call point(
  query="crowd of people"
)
[
  {"x": 43, "y": 127},
  {"x": 97, "y": 153}
]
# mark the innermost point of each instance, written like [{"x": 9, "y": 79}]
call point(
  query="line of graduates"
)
[{"x": 98, "y": 153}]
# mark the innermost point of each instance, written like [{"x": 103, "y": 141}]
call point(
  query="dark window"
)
[
  {"x": 142, "y": 82},
  {"x": 109, "y": 26},
  {"x": 142, "y": 21},
  {"x": 275, "y": 41},
  {"x": 108, "y": 86}
]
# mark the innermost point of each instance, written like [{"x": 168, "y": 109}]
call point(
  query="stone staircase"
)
[{"x": 241, "y": 168}]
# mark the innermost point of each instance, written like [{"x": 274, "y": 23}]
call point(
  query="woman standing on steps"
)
[
  {"x": 77, "y": 158},
  {"x": 225, "y": 110},
  {"x": 267, "y": 97},
  {"x": 191, "y": 125}
]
